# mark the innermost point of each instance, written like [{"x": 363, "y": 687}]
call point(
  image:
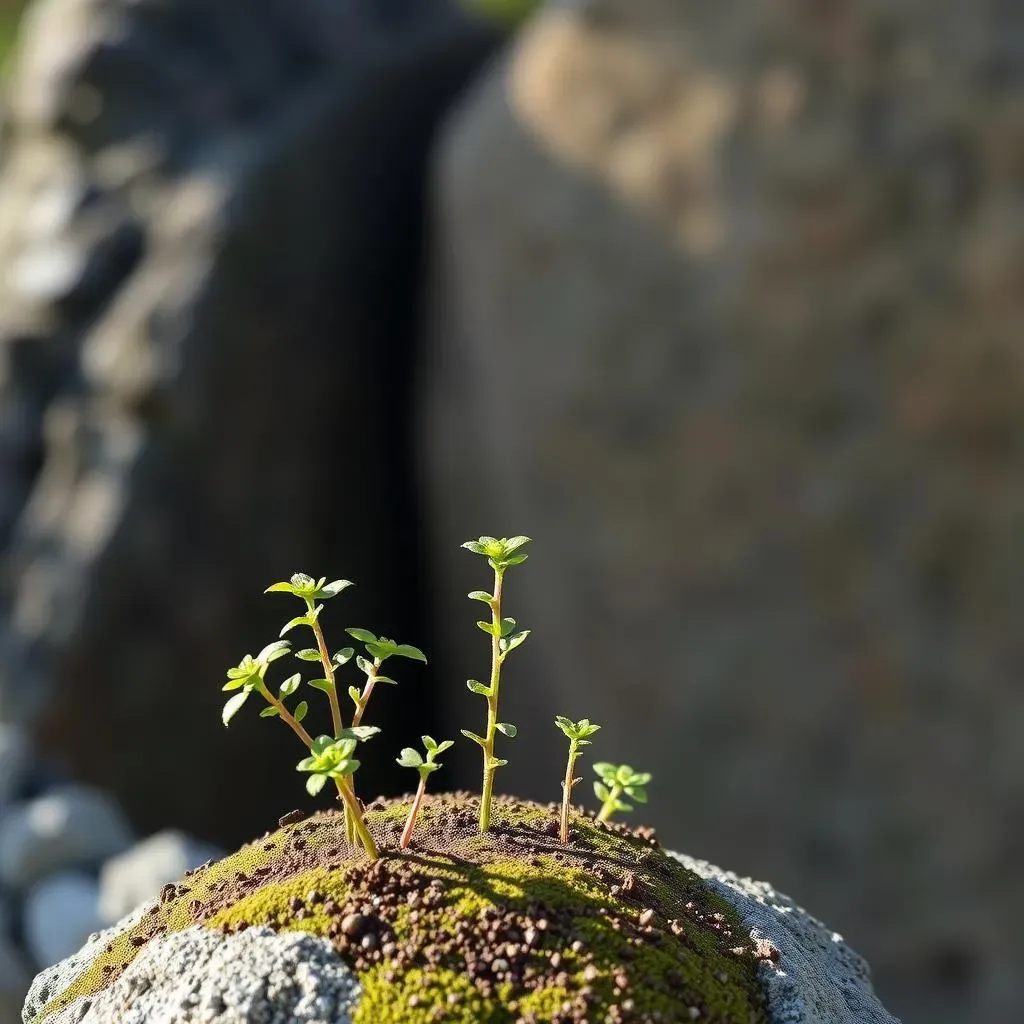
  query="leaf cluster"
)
[
  {"x": 411, "y": 758},
  {"x": 249, "y": 675},
  {"x": 576, "y": 732},
  {"x": 308, "y": 589},
  {"x": 500, "y": 552},
  {"x": 331, "y": 756},
  {"x": 616, "y": 779}
]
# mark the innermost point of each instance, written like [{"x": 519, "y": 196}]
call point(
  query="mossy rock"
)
[{"x": 503, "y": 927}]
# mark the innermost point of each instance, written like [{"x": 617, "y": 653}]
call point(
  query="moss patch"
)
[{"x": 512, "y": 926}]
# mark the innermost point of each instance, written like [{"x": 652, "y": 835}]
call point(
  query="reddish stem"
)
[{"x": 413, "y": 811}]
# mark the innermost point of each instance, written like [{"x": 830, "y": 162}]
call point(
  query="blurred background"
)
[{"x": 721, "y": 304}]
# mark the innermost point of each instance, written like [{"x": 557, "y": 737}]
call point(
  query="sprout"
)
[
  {"x": 577, "y": 733},
  {"x": 616, "y": 780},
  {"x": 411, "y": 758}
]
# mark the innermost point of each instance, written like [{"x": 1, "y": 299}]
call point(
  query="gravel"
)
[
  {"x": 816, "y": 978},
  {"x": 200, "y": 976}
]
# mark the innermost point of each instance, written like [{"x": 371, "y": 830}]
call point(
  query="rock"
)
[
  {"x": 759, "y": 959},
  {"x": 61, "y": 912},
  {"x": 71, "y": 825},
  {"x": 138, "y": 874},
  {"x": 195, "y": 976},
  {"x": 727, "y": 318},
  {"x": 209, "y": 208},
  {"x": 812, "y": 977}
]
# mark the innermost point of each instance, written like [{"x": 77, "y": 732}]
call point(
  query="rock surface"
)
[
  {"x": 70, "y": 826},
  {"x": 211, "y": 214},
  {"x": 200, "y": 976},
  {"x": 728, "y": 314}
]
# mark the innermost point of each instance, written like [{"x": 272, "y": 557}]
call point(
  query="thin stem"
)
[
  {"x": 413, "y": 812},
  {"x": 608, "y": 807},
  {"x": 286, "y": 716},
  {"x": 325, "y": 658},
  {"x": 492, "y": 706},
  {"x": 566, "y": 791},
  {"x": 355, "y": 815},
  {"x": 364, "y": 697}
]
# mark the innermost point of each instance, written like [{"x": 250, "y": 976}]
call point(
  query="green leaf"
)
[
  {"x": 308, "y": 654},
  {"x": 233, "y": 705},
  {"x": 486, "y": 627},
  {"x": 278, "y": 649},
  {"x": 342, "y": 657},
  {"x": 348, "y": 767},
  {"x": 481, "y": 595},
  {"x": 607, "y": 771},
  {"x": 269, "y": 712},
  {"x": 235, "y": 684},
  {"x": 300, "y": 581},
  {"x": 514, "y": 544},
  {"x": 506, "y": 729},
  {"x": 475, "y": 546},
  {"x": 324, "y": 685},
  {"x": 356, "y": 694},
  {"x": 514, "y": 641},
  {"x": 475, "y": 686},
  {"x": 386, "y": 679},
  {"x": 359, "y": 732},
  {"x": 301, "y": 710},
  {"x": 498, "y": 762},
  {"x": 637, "y": 793},
  {"x": 601, "y": 792},
  {"x": 443, "y": 746},
  {"x": 322, "y": 742},
  {"x": 362, "y": 635},
  {"x": 305, "y": 764},
  {"x": 516, "y": 560},
  {"x": 299, "y": 620},
  {"x": 473, "y": 736},
  {"x": 333, "y": 589},
  {"x": 290, "y": 685},
  {"x": 410, "y": 758},
  {"x": 315, "y": 783},
  {"x": 640, "y": 778},
  {"x": 408, "y": 651},
  {"x": 507, "y": 625},
  {"x": 280, "y": 588},
  {"x": 365, "y": 666}
]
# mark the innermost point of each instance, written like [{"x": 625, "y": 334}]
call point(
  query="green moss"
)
[{"x": 401, "y": 1000}]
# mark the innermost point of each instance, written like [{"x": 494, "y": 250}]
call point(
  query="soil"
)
[{"x": 510, "y": 927}]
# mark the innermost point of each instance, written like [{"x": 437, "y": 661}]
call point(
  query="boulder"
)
[
  {"x": 70, "y": 826},
  {"x": 211, "y": 221},
  {"x": 467, "y": 928},
  {"x": 727, "y": 314}
]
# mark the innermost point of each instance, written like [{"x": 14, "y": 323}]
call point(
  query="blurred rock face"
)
[
  {"x": 729, "y": 308},
  {"x": 208, "y": 233}
]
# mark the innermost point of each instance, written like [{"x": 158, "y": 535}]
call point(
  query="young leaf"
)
[
  {"x": 301, "y": 710},
  {"x": 637, "y": 793},
  {"x": 606, "y": 770},
  {"x": 290, "y": 685},
  {"x": 233, "y": 704},
  {"x": 386, "y": 679},
  {"x": 356, "y": 694},
  {"x": 481, "y": 595},
  {"x": 486, "y": 627},
  {"x": 365, "y": 666},
  {"x": 333, "y": 589},
  {"x": 516, "y": 560},
  {"x": 235, "y": 684},
  {"x": 475, "y": 546},
  {"x": 349, "y": 767},
  {"x": 359, "y": 732},
  {"x": 498, "y": 762},
  {"x": 299, "y": 620},
  {"x": 443, "y": 746},
  {"x": 410, "y": 758},
  {"x": 269, "y": 712},
  {"x": 514, "y": 641},
  {"x": 473, "y": 736},
  {"x": 308, "y": 654},
  {"x": 342, "y": 657},
  {"x": 408, "y": 651},
  {"x": 475, "y": 686},
  {"x": 324, "y": 685},
  {"x": 507, "y": 625},
  {"x": 280, "y": 588},
  {"x": 315, "y": 783},
  {"x": 514, "y": 543},
  {"x": 363, "y": 635},
  {"x": 507, "y": 729},
  {"x": 601, "y": 791},
  {"x": 278, "y": 649}
]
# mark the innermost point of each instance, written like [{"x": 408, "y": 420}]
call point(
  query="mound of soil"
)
[{"x": 507, "y": 927}]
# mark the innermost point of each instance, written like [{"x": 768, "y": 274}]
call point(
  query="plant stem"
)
[
  {"x": 355, "y": 815},
  {"x": 492, "y": 706},
  {"x": 608, "y": 807},
  {"x": 325, "y": 658},
  {"x": 413, "y": 812},
  {"x": 364, "y": 697},
  {"x": 566, "y": 791}
]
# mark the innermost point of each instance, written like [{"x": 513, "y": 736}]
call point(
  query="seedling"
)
[
  {"x": 616, "y": 780},
  {"x": 411, "y": 758},
  {"x": 577, "y": 733},
  {"x": 501, "y": 555}
]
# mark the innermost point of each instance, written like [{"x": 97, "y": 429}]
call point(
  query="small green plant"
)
[
  {"x": 614, "y": 781},
  {"x": 411, "y": 758},
  {"x": 577, "y": 734},
  {"x": 501, "y": 555}
]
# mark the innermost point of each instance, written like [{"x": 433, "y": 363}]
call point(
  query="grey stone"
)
[
  {"x": 138, "y": 874},
  {"x": 60, "y": 914},
  {"x": 728, "y": 320},
  {"x": 51, "y": 982},
  {"x": 199, "y": 976},
  {"x": 813, "y": 976},
  {"x": 209, "y": 207},
  {"x": 69, "y": 826}
]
